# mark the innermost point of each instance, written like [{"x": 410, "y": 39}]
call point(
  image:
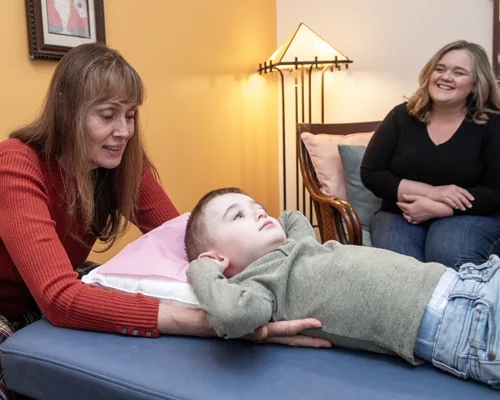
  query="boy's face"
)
[{"x": 240, "y": 231}]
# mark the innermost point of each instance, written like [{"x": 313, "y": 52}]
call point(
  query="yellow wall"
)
[{"x": 209, "y": 120}]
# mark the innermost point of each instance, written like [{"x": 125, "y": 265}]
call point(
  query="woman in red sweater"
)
[{"x": 78, "y": 173}]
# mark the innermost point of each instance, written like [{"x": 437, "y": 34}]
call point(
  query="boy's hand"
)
[
  {"x": 222, "y": 267},
  {"x": 287, "y": 333}
]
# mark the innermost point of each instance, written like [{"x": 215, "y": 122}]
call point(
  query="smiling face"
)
[
  {"x": 110, "y": 125},
  {"x": 452, "y": 79},
  {"x": 240, "y": 231}
]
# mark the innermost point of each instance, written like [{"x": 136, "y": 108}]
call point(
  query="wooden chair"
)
[{"x": 337, "y": 219}]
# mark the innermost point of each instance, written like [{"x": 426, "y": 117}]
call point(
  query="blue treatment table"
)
[{"x": 45, "y": 362}]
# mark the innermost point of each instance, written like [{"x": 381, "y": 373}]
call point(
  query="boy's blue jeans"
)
[{"x": 467, "y": 339}]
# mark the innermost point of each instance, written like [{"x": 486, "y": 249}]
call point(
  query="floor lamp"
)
[{"x": 302, "y": 54}]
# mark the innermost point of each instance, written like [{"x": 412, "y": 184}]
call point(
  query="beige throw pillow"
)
[{"x": 324, "y": 153}]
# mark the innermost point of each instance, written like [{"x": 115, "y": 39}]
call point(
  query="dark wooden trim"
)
[
  {"x": 339, "y": 129},
  {"x": 36, "y": 41}
]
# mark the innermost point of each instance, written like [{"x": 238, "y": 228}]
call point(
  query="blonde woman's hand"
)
[
  {"x": 417, "y": 209},
  {"x": 452, "y": 195}
]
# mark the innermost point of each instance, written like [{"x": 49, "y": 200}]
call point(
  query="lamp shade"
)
[{"x": 304, "y": 47}]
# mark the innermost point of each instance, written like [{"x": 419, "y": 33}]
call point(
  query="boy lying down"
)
[{"x": 248, "y": 268}]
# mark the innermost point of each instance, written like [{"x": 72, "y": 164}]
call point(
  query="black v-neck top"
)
[{"x": 402, "y": 149}]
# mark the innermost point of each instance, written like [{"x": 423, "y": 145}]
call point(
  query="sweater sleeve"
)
[
  {"x": 487, "y": 192},
  {"x": 232, "y": 310},
  {"x": 28, "y": 232},
  {"x": 296, "y": 225},
  {"x": 379, "y": 153},
  {"x": 155, "y": 207}
]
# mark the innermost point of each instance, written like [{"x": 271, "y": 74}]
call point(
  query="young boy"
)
[{"x": 249, "y": 269}]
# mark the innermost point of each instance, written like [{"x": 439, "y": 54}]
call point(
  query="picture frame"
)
[
  {"x": 496, "y": 39},
  {"x": 56, "y": 26}
]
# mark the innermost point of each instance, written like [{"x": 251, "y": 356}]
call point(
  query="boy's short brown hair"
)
[{"x": 197, "y": 239}]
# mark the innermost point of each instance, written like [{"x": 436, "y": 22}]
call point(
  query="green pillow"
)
[{"x": 362, "y": 200}]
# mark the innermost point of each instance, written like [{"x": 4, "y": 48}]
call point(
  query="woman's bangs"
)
[
  {"x": 119, "y": 84},
  {"x": 125, "y": 86}
]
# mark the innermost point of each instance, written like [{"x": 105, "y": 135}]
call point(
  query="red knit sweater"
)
[{"x": 38, "y": 255}]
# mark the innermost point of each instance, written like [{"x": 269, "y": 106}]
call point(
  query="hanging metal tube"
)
[
  {"x": 283, "y": 134},
  {"x": 323, "y": 91}
]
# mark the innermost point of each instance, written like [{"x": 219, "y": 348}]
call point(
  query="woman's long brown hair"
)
[{"x": 103, "y": 200}]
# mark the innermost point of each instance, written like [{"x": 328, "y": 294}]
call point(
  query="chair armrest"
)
[{"x": 337, "y": 219}]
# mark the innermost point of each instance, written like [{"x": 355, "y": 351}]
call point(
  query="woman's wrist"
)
[
  {"x": 407, "y": 186},
  {"x": 442, "y": 210},
  {"x": 183, "y": 321}
]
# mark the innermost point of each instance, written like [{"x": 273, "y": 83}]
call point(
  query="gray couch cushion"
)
[{"x": 362, "y": 200}]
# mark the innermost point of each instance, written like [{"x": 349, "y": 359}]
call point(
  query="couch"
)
[{"x": 49, "y": 363}]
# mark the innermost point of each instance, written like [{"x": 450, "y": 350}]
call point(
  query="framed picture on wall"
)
[
  {"x": 496, "y": 39},
  {"x": 55, "y": 26}
]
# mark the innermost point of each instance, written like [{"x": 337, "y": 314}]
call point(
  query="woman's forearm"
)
[
  {"x": 409, "y": 187},
  {"x": 183, "y": 321}
]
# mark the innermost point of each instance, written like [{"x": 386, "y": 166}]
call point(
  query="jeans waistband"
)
[{"x": 429, "y": 326}]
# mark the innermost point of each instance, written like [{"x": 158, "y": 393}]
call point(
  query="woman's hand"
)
[
  {"x": 287, "y": 333},
  {"x": 183, "y": 321},
  {"x": 452, "y": 195},
  {"x": 417, "y": 209}
]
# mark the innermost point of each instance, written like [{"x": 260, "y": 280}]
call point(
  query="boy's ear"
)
[{"x": 215, "y": 256}]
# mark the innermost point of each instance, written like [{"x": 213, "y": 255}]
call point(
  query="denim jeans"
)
[
  {"x": 468, "y": 338},
  {"x": 429, "y": 326},
  {"x": 451, "y": 241}
]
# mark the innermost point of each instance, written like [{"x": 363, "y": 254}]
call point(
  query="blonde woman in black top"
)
[{"x": 434, "y": 162}]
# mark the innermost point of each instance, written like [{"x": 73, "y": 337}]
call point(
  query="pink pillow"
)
[
  {"x": 324, "y": 153},
  {"x": 158, "y": 253}
]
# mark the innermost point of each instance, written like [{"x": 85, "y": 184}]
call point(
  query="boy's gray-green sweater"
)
[{"x": 366, "y": 298}]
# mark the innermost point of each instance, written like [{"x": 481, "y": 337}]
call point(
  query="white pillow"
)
[
  {"x": 154, "y": 265},
  {"x": 168, "y": 291}
]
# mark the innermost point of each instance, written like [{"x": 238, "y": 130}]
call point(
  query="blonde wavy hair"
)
[
  {"x": 484, "y": 96},
  {"x": 103, "y": 200}
]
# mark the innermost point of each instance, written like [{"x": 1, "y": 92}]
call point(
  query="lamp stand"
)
[{"x": 302, "y": 107}]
